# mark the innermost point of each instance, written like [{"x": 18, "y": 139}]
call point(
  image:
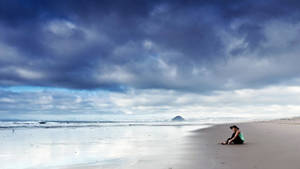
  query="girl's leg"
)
[
  {"x": 237, "y": 141},
  {"x": 227, "y": 141}
]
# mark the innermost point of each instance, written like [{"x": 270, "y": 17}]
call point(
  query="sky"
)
[{"x": 78, "y": 59}]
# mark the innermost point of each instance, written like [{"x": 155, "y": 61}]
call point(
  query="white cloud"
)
[
  {"x": 7, "y": 100},
  {"x": 168, "y": 70},
  {"x": 116, "y": 74},
  {"x": 29, "y": 74},
  {"x": 61, "y": 27},
  {"x": 148, "y": 44},
  {"x": 276, "y": 101}
]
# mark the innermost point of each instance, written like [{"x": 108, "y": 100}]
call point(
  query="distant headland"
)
[{"x": 178, "y": 118}]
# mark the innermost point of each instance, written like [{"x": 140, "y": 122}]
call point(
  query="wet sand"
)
[{"x": 269, "y": 145}]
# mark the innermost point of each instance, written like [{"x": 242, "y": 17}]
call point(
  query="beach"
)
[{"x": 269, "y": 145}]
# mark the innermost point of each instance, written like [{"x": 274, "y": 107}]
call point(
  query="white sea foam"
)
[{"x": 12, "y": 124}]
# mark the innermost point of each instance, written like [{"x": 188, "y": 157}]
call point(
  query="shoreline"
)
[{"x": 265, "y": 148}]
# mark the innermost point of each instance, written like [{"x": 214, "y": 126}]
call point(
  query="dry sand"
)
[{"x": 269, "y": 145}]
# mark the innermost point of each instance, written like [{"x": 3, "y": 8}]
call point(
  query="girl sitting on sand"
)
[{"x": 236, "y": 138}]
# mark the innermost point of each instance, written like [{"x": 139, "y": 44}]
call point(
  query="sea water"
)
[{"x": 29, "y": 144}]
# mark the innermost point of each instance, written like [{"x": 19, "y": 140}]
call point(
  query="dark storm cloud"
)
[{"x": 190, "y": 45}]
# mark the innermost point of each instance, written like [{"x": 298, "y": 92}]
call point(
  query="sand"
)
[{"x": 269, "y": 145}]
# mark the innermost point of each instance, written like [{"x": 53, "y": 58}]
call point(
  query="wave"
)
[{"x": 76, "y": 124}]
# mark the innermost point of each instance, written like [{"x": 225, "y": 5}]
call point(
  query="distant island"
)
[{"x": 178, "y": 118}]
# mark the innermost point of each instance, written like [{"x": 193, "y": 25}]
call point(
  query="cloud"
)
[
  {"x": 57, "y": 104},
  {"x": 198, "y": 46}
]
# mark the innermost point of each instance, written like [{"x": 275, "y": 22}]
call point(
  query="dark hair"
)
[{"x": 234, "y": 126}]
